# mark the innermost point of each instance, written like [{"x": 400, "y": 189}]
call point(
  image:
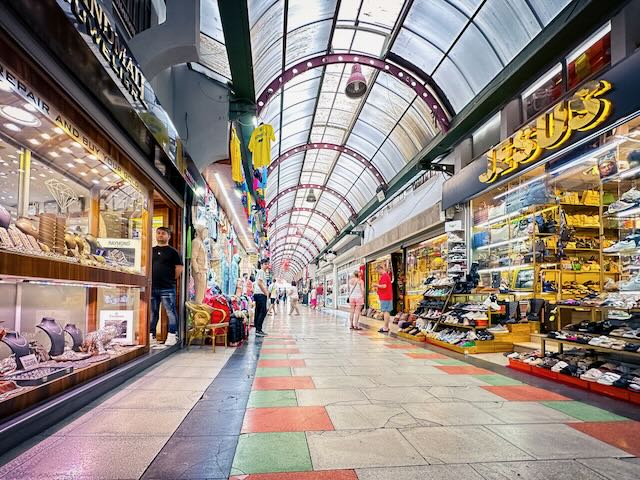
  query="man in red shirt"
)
[{"x": 385, "y": 295}]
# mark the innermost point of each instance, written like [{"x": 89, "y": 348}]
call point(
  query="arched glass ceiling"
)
[
  {"x": 464, "y": 44},
  {"x": 460, "y": 44}
]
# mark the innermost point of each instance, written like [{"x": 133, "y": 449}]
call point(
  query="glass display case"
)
[
  {"x": 372, "y": 280},
  {"x": 558, "y": 231},
  {"x": 344, "y": 274},
  {"x": 74, "y": 251},
  {"x": 424, "y": 260}
]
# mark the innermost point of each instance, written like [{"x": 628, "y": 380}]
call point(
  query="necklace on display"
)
[{"x": 13, "y": 338}]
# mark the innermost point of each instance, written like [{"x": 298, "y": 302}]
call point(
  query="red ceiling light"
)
[{"x": 357, "y": 84}]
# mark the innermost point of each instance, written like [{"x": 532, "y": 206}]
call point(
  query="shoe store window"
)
[
  {"x": 372, "y": 280},
  {"x": 74, "y": 243},
  {"x": 426, "y": 264}
]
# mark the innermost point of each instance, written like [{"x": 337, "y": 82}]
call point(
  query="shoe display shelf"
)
[
  {"x": 502, "y": 340},
  {"x": 434, "y": 302},
  {"x": 424, "y": 261}
]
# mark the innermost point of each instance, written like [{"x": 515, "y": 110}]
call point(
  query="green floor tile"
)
[
  {"x": 273, "y": 356},
  {"x": 450, "y": 361},
  {"x": 271, "y": 452},
  {"x": 272, "y": 398},
  {"x": 498, "y": 380},
  {"x": 273, "y": 372},
  {"x": 584, "y": 412}
]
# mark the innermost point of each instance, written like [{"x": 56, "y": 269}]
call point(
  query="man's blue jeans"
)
[{"x": 166, "y": 296}]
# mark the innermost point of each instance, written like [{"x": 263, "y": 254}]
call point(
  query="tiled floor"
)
[{"x": 315, "y": 401}]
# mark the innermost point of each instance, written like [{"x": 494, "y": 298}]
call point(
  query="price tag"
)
[
  {"x": 453, "y": 226},
  {"x": 29, "y": 361}
]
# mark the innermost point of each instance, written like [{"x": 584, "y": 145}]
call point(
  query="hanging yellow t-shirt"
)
[
  {"x": 260, "y": 145},
  {"x": 236, "y": 158}
]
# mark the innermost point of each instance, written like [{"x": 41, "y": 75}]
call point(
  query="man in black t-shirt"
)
[{"x": 166, "y": 269}]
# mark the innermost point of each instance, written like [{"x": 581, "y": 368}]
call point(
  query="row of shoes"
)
[
  {"x": 432, "y": 314},
  {"x": 627, "y": 244},
  {"x": 602, "y": 341},
  {"x": 456, "y": 257},
  {"x": 438, "y": 281},
  {"x": 628, "y": 200},
  {"x": 437, "y": 292},
  {"x": 460, "y": 338},
  {"x": 618, "y": 323},
  {"x": 578, "y": 363}
]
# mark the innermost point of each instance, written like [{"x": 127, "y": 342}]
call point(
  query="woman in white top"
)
[
  {"x": 292, "y": 294},
  {"x": 356, "y": 300},
  {"x": 273, "y": 296}
]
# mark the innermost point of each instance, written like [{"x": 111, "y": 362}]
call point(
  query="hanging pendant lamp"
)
[
  {"x": 311, "y": 197},
  {"x": 356, "y": 85}
]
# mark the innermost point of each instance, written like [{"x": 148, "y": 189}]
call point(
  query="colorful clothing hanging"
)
[
  {"x": 260, "y": 145},
  {"x": 236, "y": 157}
]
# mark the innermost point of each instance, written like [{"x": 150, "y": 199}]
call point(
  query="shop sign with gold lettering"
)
[
  {"x": 92, "y": 16},
  {"x": 583, "y": 112},
  {"x": 99, "y": 32}
]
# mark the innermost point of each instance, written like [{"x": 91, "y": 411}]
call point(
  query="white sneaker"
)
[
  {"x": 172, "y": 339},
  {"x": 153, "y": 342},
  {"x": 631, "y": 196},
  {"x": 453, "y": 238},
  {"x": 621, "y": 246}
]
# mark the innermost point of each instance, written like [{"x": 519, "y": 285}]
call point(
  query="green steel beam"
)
[
  {"x": 234, "y": 15},
  {"x": 549, "y": 46}
]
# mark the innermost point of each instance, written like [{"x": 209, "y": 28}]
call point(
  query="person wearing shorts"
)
[
  {"x": 356, "y": 300},
  {"x": 385, "y": 295}
]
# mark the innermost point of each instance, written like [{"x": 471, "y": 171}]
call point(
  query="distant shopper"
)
[
  {"x": 385, "y": 295},
  {"x": 313, "y": 298},
  {"x": 293, "y": 298},
  {"x": 273, "y": 296},
  {"x": 260, "y": 297},
  {"x": 320, "y": 296},
  {"x": 166, "y": 268},
  {"x": 356, "y": 300}
]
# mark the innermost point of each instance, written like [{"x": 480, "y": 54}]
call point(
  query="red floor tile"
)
[
  {"x": 279, "y": 350},
  {"x": 524, "y": 393},
  {"x": 283, "y": 383},
  {"x": 401, "y": 346},
  {"x": 623, "y": 435},
  {"x": 281, "y": 363},
  {"x": 426, "y": 356},
  {"x": 320, "y": 475},
  {"x": 286, "y": 419},
  {"x": 463, "y": 370}
]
